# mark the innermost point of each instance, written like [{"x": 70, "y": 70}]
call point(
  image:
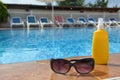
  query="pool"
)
[{"x": 21, "y": 45}]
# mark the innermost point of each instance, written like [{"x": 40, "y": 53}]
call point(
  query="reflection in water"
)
[{"x": 42, "y": 30}]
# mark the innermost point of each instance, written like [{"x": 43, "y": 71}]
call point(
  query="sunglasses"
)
[{"x": 82, "y": 66}]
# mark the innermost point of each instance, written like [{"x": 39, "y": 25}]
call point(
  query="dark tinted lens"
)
[
  {"x": 60, "y": 65},
  {"x": 84, "y": 65}
]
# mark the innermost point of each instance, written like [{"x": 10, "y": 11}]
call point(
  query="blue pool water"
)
[{"x": 20, "y": 45}]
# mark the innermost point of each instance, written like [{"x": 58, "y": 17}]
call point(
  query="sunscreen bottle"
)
[{"x": 100, "y": 45}]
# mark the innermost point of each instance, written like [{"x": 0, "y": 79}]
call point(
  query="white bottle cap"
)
[{"x": 100, "y": 23}]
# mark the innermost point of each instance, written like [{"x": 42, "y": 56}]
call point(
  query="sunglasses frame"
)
[{"x": 72, "y": 63}]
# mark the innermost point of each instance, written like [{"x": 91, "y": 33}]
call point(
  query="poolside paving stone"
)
[{"x": 40, "y": 70}]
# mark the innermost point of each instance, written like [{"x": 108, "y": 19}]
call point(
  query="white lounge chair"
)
[
  {"x": 82, "y": 21},
  {"x": 92, "y": 21},
  {"x": 113, "y": 22},
  {"x": 31, "y": 20},
  {"x": 44, "y": 21},
  {"x": 71, "y": 22},
  {"x": 16, "y": 21}
]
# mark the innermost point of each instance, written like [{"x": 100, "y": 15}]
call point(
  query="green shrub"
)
[{"x": 3, "y": 13}]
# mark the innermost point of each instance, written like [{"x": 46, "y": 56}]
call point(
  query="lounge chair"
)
[
  {"x": 82, "y": 21},
  {"x": 16, "y": 21},
  {"x": 31, "y": 20},
  {"x": 106, "y": 23},
  {"x": 71, "y": 22},
  {"x": 91, "y": 21},
  {"x": 113, "y": 22},
  {"x": 60, "y": 21},
  {"x": 44, "y": 21}
]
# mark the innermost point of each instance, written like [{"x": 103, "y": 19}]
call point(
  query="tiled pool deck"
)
[{"x": 41, "y": 70}]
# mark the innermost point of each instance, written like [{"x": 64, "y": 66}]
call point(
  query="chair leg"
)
[
  {"x": 41, "y": 25},
  {"x": 59, "y": 24},
  {"x": 23, "y": 26},
  {"x": 117, "y": 24},
  {"x": 28, "y": 26},
  {"x": 11, "y": 25}
]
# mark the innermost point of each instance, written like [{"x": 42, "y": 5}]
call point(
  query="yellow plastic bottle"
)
[{"x": 100, "y": 44}]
